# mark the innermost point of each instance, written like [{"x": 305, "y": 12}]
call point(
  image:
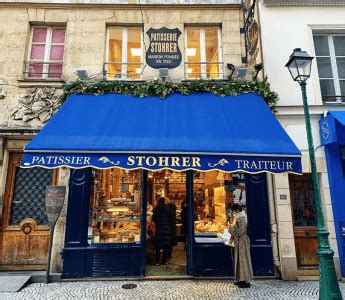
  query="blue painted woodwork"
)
[
  {"x": 111, "y": 260},
  {"x": 190, "y": 237},
  {"x": 98, "y": 260},
  {"x": 259, "y": 230},
  {"x": 212, "y": 260},
  {"x": 216, "y": 260},
  {"x": 332, "y": 132},
  {"x": 78, "y": 208}
]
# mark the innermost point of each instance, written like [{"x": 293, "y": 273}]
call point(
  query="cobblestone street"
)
[{"x": 175, "y": 289}]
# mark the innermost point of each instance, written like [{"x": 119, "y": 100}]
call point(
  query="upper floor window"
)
[
  {"x": 330, "y": 57},
  {"x": 124, "y": 53},
  {"x": 203, "y": 53},
  {"x": 46, "y": 52}
]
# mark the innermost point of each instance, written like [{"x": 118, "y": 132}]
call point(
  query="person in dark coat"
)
[
  {"x": 173, "y": 232},
  {"x": 162, "y": 241}
]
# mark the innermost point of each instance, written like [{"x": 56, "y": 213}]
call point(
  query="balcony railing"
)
[
  {"x": 333, "y": 99},
  {"x": 43, "y": 70},
  {"x": 204, "y": 70},
  {"x": 122, "y": 71}
]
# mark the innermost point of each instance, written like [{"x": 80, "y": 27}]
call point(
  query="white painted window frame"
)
[
  {"x": 333, "y": 59},
  {"x": 47, "y": 51},
  {"x": 124, "y": 52},
  {"x": 203, "y": 52}
]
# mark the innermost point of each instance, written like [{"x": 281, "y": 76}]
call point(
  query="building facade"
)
[
  {"x": 47, "y": 45},
  {"x": 316, "y": 27}
]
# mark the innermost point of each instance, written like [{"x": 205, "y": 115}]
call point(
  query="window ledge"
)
[{"x": 58, "y": 83}]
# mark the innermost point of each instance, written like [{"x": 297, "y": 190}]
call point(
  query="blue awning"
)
[{"x": 200, "y": 131}]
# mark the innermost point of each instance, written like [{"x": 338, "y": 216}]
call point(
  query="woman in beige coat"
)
[{"x": 241, "y": 250}]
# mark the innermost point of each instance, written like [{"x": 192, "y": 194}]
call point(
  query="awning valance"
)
[{"x": 200, "y": 131}]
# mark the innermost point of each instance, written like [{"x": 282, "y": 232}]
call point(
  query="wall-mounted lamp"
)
[
  {"x": 163, "y": 73},
  {"x": 82, "y": 74},
  {"x": 231, "y": 69},
  {"x": 258, "y": 68}
]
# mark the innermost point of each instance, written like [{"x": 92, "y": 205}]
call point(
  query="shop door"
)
[
  {"x": 24, "y": 229},
  {"x": 304, "y": 220}
]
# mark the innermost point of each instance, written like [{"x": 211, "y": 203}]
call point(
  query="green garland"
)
[{"x": 163, "y": 89}]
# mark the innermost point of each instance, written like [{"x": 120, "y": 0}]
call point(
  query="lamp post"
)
[{"x": 299, "y": 66}]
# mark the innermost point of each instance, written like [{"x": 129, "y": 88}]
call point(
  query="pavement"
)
[{"x": 169, "y": 289}]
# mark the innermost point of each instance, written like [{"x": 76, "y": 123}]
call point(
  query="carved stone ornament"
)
[{"x": 36, "y": 103}]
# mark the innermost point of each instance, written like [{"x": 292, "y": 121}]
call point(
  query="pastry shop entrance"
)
[
  {"x": 167, "y": 226},
  {"x": 180, "y": 232}
]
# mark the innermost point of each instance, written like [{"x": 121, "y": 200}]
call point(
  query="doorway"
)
[
  {"x": 24, "y": 233},
  {"x": 163, "y": 259},
  {"x": 304, "y": 220}
]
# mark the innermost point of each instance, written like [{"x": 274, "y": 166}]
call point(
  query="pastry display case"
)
[
  {"x": 219, "y": 194},
  {"x": 116, "y": 206}
]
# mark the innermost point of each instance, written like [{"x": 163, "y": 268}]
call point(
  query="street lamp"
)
[{"x": 299, "y": 66}]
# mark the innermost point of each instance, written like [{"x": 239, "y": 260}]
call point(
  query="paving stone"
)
[{"x": 174, "y": 289}]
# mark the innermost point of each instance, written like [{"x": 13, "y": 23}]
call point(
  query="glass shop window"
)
[
  {"x": 302, "y": 200},
  {"x": 214, "y": 194},
  {"x": 124, "y": 53},
  {"x": 203, "y": 53},
  {"x": 115, "y": 206},
  {"x": 45, "y": 58},
  {"x": 330, "y": 58}
]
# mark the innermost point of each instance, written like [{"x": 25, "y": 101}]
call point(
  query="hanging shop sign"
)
[
  {"x": 179, "y": 162},
  {"x": 55, "y": 196},
  {"x": 253, "y": 37},
  {"x": 163, "y": 51}
]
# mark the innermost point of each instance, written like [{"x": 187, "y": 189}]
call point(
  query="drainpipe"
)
[{"x": 273, "y": 223}]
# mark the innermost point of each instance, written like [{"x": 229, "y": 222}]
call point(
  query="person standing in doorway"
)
[
  {"x": 241, "y": 256},
  {"x": 162, "y": 241}
]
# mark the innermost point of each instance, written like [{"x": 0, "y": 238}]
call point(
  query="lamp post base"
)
[{"x": 329, "y": 286}]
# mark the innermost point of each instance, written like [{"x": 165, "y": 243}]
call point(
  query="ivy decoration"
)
[{"x": 163, "y": 89}]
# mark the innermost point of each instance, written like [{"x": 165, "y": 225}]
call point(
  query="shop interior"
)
[{"x": 116, "y": 211}]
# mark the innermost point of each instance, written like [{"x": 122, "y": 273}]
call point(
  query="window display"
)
[
  {"x": 116, "y": 206},
  {"x": 214, "y": 194}
]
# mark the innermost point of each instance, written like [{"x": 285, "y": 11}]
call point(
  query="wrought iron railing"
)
[
  {"x": 204, "y": 73},
  {"x": 123, "y": 71},
  {"x": 43, "y": 70},
  {"x": 333, "y": 99}
]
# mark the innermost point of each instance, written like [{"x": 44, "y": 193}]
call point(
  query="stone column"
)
[{"x": 285, "y": 228}]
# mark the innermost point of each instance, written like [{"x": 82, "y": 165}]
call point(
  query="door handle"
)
[{"x": 16, "y": 202}]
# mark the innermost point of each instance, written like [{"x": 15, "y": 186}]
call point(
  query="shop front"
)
[
  {"x": 332, "y": 132},
  {"x": 201, "y": 152}
]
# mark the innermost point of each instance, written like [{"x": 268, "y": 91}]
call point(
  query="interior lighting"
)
[
  {"x": 191, "y": 51},
  {"x": 136, "y": 51}
]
